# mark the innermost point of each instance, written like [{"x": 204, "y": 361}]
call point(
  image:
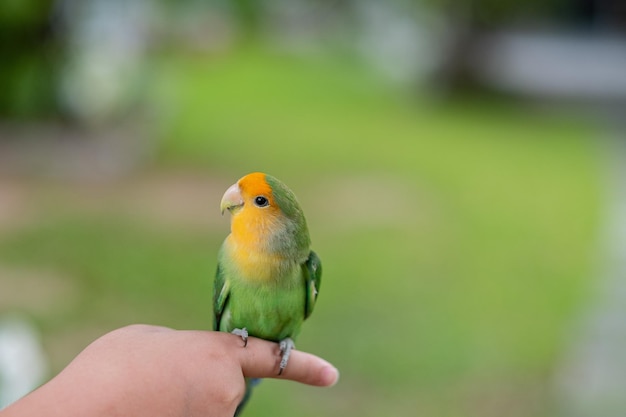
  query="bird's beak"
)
[{"x": 232, "y": 199}]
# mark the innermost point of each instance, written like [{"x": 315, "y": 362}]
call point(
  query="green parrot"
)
[{"x": 267, "y": 278}]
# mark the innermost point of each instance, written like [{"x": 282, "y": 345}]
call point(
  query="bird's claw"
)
[
  {"x": 286, "y": 345},
  {"x": 244, "y": 335}
]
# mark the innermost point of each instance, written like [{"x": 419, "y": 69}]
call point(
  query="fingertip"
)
[
  {"x": 312, "y": 370},
  {"x": 329, "y": 376}
]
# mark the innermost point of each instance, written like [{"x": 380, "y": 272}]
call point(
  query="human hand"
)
[{"x": 143, "y": 370}]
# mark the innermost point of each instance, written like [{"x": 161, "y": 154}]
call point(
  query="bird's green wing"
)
[
  {"x": 313, "y": 279},
  {"x": 221, "y": 291}
]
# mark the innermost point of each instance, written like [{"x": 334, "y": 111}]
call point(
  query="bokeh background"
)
[{"x": 460, "y": 165}]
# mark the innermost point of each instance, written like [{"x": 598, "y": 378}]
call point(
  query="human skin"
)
[{"x": 143, "y": 370}]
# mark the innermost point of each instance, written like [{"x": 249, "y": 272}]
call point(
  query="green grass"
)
[
  {"x": 119, "y": 267},
  {"x": 457, "y": 239}
]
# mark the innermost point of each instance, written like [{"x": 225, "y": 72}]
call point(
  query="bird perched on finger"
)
[{"x": 267, "y": 278}]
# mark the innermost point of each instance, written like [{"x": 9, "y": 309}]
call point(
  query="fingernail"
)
[{"x": 330, "y": 376}]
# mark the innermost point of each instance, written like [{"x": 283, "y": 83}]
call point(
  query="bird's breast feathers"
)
[{"x": 256, "y": 266}]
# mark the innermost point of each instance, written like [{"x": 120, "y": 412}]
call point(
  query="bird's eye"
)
[{"x": 260, "y": 201}]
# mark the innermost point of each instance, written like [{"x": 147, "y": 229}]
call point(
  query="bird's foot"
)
[
  {"x": 244, "y": 335},
  {"x": 286, "y": 345}
]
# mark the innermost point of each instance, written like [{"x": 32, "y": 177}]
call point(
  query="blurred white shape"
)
[
  {"x": 400, "y": 39},
  {"x": 592, "y": 379},
  {"x": 107, "y": 41},
  {"x": 23, "y": 366},
  {"x": 565, "y": 65}
]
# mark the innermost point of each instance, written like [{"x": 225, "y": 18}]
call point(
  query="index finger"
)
[{"x": 260, "y": 359}]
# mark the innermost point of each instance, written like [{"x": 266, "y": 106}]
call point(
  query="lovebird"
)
[{"x": 267, "y": 278}]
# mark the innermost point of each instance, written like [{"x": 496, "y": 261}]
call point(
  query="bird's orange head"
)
[{"x": 265, "y": 214}]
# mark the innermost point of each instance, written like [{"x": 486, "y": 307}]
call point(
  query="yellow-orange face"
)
[
  {"x": 254, "y": 210},
  {"x": 269, "y": 234}
]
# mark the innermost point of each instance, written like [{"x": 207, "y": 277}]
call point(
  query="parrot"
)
[{"x": 268, "y": 278}]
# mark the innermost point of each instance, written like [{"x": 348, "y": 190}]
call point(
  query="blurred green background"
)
[{"x": 458, "y": 227}]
